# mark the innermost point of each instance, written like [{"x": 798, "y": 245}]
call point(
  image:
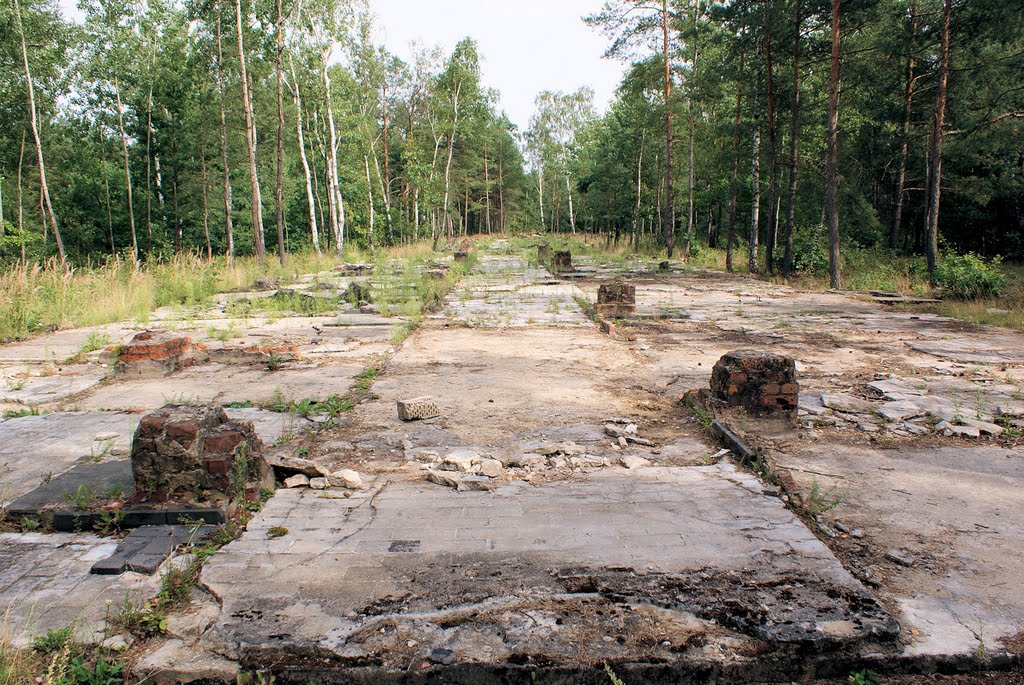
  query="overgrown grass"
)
[{"x": 40, "y": 297}]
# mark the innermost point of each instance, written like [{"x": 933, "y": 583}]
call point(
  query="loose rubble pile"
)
[
  {"x": 905, "y": 407},
  {"x": 468, "y": 469}
]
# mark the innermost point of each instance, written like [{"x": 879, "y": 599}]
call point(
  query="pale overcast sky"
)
[{"x": 527, "y": 45}]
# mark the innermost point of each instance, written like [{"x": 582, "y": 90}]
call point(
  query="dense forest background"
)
[{"x": 274, "y": 125}]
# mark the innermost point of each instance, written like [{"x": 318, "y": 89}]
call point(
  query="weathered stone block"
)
[
  {"x": 760, "y": 382},
  {"x": 152, "y": 354},
  {"x": 418, "y": 408},
  {"x": 196, "y": 453},
  {"x": 561, "y": 262},
  {"x": 616, "y": 299}
]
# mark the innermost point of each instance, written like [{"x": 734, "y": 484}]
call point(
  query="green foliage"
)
[
  {"x": 97, "y": 671},
  {"x": 54, "y": 640},
  {"x": 864, "y": 677},
  {"x": 819, "y": 502},
  {"x": 969, "y": 276}
]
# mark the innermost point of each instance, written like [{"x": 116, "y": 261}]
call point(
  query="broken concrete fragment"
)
[
  {"x": 640, "y": 441},
  {"x": 900, "y": 556},
  {"x": 491, "y": 468},
  {"x": 446, "y": 478},
  {"x": 631, "y": 461},
  {"x": 474, "y": 483},
  {"x": 613, "y": 430},
  {"x": 848, "y": 404},
  {"x": 570, "y": 449},
  {"x": 622, "y": 441},
  {"x": 299, "y": 480},
  {"x": 900, "y": 410},
  {"x": 284, "y": 462},
  {"x": 318, "y": 483},
  {"x": 985, "y": 427},
  {"x": 347, "y": 478},
  {"x": 949, "y": 430},
  {"x": 460, "y": 460},
  {"x": 418, "y": 408}
]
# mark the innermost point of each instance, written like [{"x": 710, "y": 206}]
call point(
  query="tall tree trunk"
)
[
  {"x": 336, "y": 202},
  {"x": 568, "y": 192},
  {"x": 44, "y": 187},
  {"x": 832, "y": 156},
  {"x": 501, "y": 187},
  {"x": 229, "y": 238},
  {"x": 540, "y": 190},
  {"x": 692, "y": 124},
  {"x": 935, "y": 173},
  {"x": 149, "y": 170},
  {"x": 279, "y": 185},
  {"x": 178, "y": 242},
  {"x": 794, "y": 137},
  {"x": 668, "y": 220},
  {"x": 755, "y": 180},
  {"x": 314, "y": 232},
  {"x": 206, "y": 204},
  {"x": 127, "y": 169},
  {"x": 250, "y": 141},
  {"x": 106, "y": 190},
  {"x": 487, "y": 191},
  {"x": 386, "y": 181},
  {"x": 908, "y": 99},
  {"x": 369, "y": 196},
  {"x": 771, "y": 229},
  {"x": 730, "y": 239},
  {"x": 21, "y": 206},
  {"x": 448, "y": 164}
]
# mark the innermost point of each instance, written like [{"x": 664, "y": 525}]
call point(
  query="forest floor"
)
[{"x": 513, "y": 537}]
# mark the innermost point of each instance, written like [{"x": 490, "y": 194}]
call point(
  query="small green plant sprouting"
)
[
  {"x": 99, "y": 672},
  {"x": 110, "y": 522},
  {"x": 980, "y": 637},
  {"x": 54, "y": 640},
  {"x": 277, "y": 532},
  {"x": 243, "y": 404},
  {"x": 46, "y": 478},
  {"x": 819, "y": 502},
  {"x": 83, "y": 497},
  {"x": 982, "y": 405},
  {"x": 704, "y": 416},
  {"x": 364, "y": 380},
  {"x": 864, "y": 677},
  {"x": 19, "y": 413}
]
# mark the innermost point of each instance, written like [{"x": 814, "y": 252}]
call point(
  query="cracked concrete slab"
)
[{"x": 413, "y": 556}]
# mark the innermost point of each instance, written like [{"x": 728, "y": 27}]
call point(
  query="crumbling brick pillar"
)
[
  {"x": 152, "y": 354},
  {"x": 761, "y": 382},
  {"x": 616, "y": 299},
  {"x": 195, "y": 453},
  {"x": 561, "y": 262}
]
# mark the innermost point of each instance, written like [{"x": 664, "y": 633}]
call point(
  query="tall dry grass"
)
[{"x": 41, "y": 297}]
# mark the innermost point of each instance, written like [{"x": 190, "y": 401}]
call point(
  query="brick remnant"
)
[
  {"x": 760, "y": 382},
  {"x": 418, "y": 408},
  {"x": 561, "y": 262},
  {"x": 616, "y": 299},
  {"x": 152, "y": 354},
  {"x": 195, "y": 453}
]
